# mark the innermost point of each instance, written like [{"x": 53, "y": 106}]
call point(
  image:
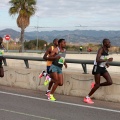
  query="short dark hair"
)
[
  {"x": 104, "y": 40},
  {"x": 55, "y": 40},
  {"x": 60, "y": 40}
]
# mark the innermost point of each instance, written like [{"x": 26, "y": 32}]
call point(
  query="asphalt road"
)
[{"x": 22, "y": 104}]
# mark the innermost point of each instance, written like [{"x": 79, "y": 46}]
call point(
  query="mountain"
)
[
  {"x": 14, "y": 34},
  {"x": 75, "y": 36}
]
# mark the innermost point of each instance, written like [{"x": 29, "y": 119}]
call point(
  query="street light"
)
[{"x": 37, "y": 31}]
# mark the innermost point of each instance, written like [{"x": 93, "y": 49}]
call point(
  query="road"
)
[{"x": 22, "y": 104}]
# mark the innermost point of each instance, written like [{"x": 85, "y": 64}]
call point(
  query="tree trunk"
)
[{"x": 22, "y": 40}]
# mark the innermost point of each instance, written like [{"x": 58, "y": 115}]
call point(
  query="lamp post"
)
[
  {"x": 37, "y": 32},
  {"x": 37, "y": 39}
]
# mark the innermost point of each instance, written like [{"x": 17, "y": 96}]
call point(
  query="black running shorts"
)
[{"x": 98, "y": 70}]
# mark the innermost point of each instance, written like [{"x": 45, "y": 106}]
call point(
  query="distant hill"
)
[{"x": 75, "y": 36}]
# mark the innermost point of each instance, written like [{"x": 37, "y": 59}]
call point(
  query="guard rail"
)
[{"x": 75, "y": 61}]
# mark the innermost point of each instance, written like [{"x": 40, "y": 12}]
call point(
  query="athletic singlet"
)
[
  {"x": 103, "y": 57},
  {"x": 49, "y": 63},
  {"x": 1, "y": 54},
  {"x": 1, "y": 50},
  {"x": 60, "y": 61}
]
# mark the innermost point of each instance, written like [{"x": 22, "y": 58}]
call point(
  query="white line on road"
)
[
  {"x": 20, "y": 113},
  {"x": 79, "y": 105}
]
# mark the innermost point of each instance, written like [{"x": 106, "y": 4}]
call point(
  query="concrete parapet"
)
[{"x": 75, "y": 83}]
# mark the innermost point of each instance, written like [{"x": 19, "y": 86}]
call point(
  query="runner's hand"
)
[
  {"x": 65, "y": 65},
  {"x": 107, "y": 65},
  {"x": 110, "y": 60}
]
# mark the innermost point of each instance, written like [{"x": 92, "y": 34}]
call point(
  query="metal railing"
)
[
  {"x": 75, "y": 61},
  {"x": 68, "y": 52}
]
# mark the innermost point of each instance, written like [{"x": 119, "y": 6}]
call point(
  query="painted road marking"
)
[
  {"x": 60, "y": 102},
  {"x": 20, "y": 113}
]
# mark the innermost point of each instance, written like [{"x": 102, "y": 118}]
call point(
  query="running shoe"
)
[
  {"x": 48, "y": 95},
  {"x": 46, "y": 82},
  {"x": 41, "y": 74},
  {"x": 48, "y": 91},
  {"x": 88, "y": 100},
  {"x": 52, "y": 98}
]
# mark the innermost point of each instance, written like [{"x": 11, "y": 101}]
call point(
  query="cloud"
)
[
  {"x": 104, "y": 13},
  {"x": 4, "y": 4},
  {"x": 76, "y": 8},
  {"x": 86, "y": 12}
]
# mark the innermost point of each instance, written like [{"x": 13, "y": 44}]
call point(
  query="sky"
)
[{"x": 67, "y": 15}]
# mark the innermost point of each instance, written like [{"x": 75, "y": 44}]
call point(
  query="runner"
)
[
  {"x": 99, "y": 69},
  {"x": 2, "y": 48},
  {"x": 81, "y": 48},
  {"x": 58, "y": 57},
  {"x": 49, "y": 63}
]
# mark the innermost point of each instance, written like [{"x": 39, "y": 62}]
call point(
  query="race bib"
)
[
  {"x": 61, "y": 60},
  {"x": 1, "y": 52}
]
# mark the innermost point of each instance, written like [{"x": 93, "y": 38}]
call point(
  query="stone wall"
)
[{"x": 75, "y": 83}]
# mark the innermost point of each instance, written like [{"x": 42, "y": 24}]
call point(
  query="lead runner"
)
[{"x": 99, "y": 69}]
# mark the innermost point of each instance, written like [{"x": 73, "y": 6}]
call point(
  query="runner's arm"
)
[
  {"x": 107, "y": 65},
  {"x": 53, "y": 56},
  {"x": 47, "y": 53},
  {"x": 98, "y": 60},
  {"x": 65, "y": 64}
]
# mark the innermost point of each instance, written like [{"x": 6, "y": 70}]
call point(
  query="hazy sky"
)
[{"x": 68, "y": 15}]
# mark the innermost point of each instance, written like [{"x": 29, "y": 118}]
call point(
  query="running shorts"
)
[
  {"x": 48, "y": 67},
  {"x": 98, "y": 70},
  {"x": 54, "y": 68}
]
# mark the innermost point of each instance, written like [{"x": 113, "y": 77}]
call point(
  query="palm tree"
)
[{"x": 25, "y": 9}]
